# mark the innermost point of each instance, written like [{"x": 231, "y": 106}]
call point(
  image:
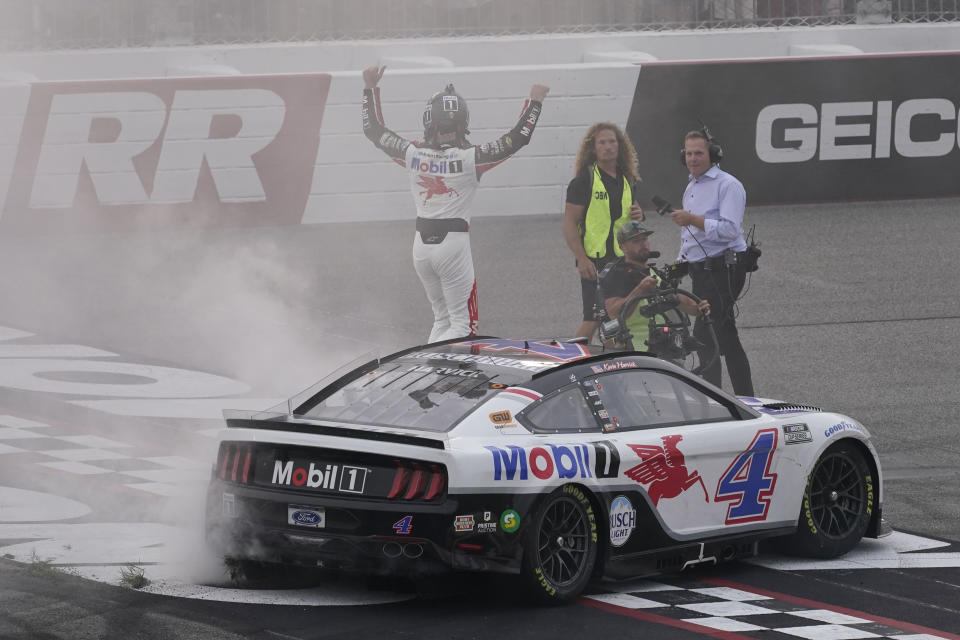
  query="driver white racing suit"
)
[{"x": 443, "y": 181}]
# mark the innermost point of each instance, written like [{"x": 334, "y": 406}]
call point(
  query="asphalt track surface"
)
[{"x": 854, "y": 309}]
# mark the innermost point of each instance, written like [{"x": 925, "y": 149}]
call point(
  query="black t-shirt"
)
[
  {"x": 580, "y": 191},
  {"x": 623, "y": 277}
]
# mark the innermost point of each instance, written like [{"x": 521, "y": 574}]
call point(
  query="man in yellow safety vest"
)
[{"x": 599, "y": 200}]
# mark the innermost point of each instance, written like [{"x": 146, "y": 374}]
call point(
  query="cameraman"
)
[
  {"x": 711, "y": 240},
  {"x": 633, "y": 276}
]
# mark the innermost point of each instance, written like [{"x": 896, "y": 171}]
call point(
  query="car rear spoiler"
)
[{"x": 277, "y": 424}]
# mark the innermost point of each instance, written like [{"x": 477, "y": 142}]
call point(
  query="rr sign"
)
[{"x": 222, "y": 151}]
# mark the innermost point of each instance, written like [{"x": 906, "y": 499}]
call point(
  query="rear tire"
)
[
  {"x": 560, "y": 546},
  {"x": 838, "y": 503}
]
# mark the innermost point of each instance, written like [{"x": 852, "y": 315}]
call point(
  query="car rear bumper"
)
[{"x": 361, "y": 535}]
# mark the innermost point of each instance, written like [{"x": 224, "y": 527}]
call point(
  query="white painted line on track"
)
[
  {"x": 77, "y": 468},
  {"x": 725, "y": 624},
  {"x": 84, "y": 455},
  {"x": 727, "y": 593},
  {"x": 6, "y": 333},
  {"x": 157, "y": 488},
  {"x": 13, "y": 433},
  {"x": 195, "y": 476},
  {"x": 725, "y": 608},
  {"x": 891, "y": 552},
  {"x": 179, "y": 462},
  {"x": 52, "y": 351},
  {"x": 21, "y": 505},
  {"x": 20, "y": 423},
  {"x": 93, "y": 441},
  {"x": 626, "y": 600}
]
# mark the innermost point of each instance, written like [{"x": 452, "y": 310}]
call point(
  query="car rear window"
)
[{"x": 416, "y": 396}]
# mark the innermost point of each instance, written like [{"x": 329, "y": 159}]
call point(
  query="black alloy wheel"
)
[
  {"x": 838, "y": 503},
  {"x": 560, "y": 550},
  {"x": 837, "y": 495}
]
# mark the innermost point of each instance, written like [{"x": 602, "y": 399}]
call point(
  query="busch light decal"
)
[{"x": 623, "y": 520}]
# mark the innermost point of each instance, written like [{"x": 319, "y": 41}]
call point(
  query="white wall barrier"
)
[
  {"x": 283, "y": 149},
  {"x": 217, "y": 142}
]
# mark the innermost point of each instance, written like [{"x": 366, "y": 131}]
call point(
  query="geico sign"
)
[
  {"x": 232, "y": 143},
  {"x": 886, "y": 128}
]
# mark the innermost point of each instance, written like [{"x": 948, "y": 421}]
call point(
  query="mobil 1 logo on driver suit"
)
[{"x": 443, "y": 180}]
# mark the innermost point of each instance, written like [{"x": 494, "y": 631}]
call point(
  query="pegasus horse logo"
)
[
  {"x": 664, "y": 469},
  {"x": 434, "y": 186}
]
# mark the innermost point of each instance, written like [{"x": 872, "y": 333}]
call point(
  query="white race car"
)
[{"x": 547, "y": 459}]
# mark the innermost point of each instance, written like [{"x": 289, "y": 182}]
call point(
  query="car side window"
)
[
  {"x": 564, "y": 411},
  {"x": 648, "y": 399}
]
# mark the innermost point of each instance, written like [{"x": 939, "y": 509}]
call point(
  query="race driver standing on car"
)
[{"x": 444, "y": 171}]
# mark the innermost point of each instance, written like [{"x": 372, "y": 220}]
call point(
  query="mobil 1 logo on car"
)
[{"x": 554, "y": 461}]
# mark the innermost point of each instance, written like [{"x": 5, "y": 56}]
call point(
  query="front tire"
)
[
  {"x": 560, "y": 546},
  {"x": 838, "y": 503}
]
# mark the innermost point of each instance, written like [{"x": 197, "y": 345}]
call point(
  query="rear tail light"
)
[
  {"x": 414, "y": 480},
  {"x": 400, "y": 479},
  {"x": 235, "y": 461},
  {"x": 420, "y": 481},
  {"x": 438, "y": 482}
]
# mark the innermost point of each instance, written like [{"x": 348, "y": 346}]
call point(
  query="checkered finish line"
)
[
  {"x": 87, "y": 455},
  {"x": 732, "y": 611}
]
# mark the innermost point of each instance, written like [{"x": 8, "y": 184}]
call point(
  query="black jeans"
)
[{"x": 721, "y": 286}]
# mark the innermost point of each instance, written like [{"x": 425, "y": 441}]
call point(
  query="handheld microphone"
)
[
  {"x": 663, "y": 207},
  {"x": 653, "y": 254}
]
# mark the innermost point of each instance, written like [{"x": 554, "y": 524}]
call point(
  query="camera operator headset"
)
[{"x": 713, "y": 244}]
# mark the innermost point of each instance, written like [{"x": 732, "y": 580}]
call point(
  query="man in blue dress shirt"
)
[{"x": 712, "y": 242}]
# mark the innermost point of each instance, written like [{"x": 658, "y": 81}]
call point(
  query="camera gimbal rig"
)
[{"x": 670, "y": 334}]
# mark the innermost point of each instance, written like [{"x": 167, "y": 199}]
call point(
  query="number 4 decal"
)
[
  {"x": 404, "y": 525},
  {"x": 747, "y": 482}
]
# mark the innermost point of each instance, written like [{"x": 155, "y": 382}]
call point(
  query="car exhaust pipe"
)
[
  {"x": 392, "y": 550},
  {"x": 413, "y": 551},
  {"x": 728, "y": 553}
]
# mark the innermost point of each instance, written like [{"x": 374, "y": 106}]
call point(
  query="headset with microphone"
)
[{"x": 713, "y": 147}]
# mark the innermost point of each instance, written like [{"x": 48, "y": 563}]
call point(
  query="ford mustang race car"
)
[{"x": 552, "y": 460}]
